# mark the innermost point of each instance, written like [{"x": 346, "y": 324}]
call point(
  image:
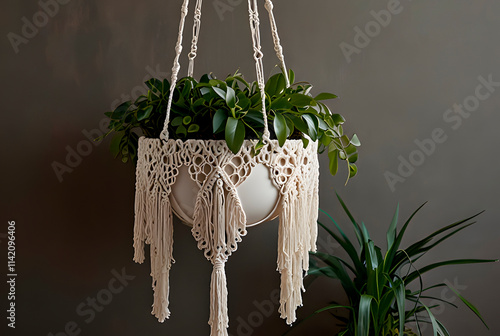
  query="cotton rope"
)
[
  {"x": 196, "y": 33},
  {"x": 276, "y": 38},
  {"x": 176, "y": 67},
  {"x": 219, "y": 220}
]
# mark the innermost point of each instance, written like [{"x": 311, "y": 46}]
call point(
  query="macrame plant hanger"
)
[{"x": 219, "y": 220}]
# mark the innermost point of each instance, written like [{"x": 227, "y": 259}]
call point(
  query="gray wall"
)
[{"x": 396, "y": 89}]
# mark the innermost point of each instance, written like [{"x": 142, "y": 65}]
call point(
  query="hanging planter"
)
[{"x": 199, "y": 161}]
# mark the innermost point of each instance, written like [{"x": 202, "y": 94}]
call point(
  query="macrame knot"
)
[
  {"x": 258, "y": 54},
  {"x": 269, "y": 5},
  {"x": 184, "y": 9},
  {"x": 164, "y": 135},
  {"x": 219, "y": 264},
  {"x": 254, "y": 17}
]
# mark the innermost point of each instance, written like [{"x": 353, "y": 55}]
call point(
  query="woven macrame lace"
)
[{"x": 219, "y": 221}]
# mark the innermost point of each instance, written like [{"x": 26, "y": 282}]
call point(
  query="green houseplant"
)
[
  {"x": 230, "y": 109},
  {"x": 385, "y": 289}
]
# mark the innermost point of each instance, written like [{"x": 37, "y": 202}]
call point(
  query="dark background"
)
[{"x": 72, "y": 232}]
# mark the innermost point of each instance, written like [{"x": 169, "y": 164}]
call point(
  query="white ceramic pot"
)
[{"x": 258, "y": 195}]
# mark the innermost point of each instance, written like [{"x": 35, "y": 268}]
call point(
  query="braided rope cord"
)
[
  {"x": 257, "y": 54},
  {"x": 196, "y": 33},
  {"x": 276, "y": 38},
  {"x": 176, "y": 67},
  {"x": 253, "y": 12}
]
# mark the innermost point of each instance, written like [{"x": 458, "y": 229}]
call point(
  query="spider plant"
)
[{"x": 385, "y": 290}]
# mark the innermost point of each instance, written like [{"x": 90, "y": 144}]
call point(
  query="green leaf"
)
[
  {"x": 312, "y": 126},
  {"x": 427, "y": 268},
  {"x": 221, "y": 93},
  {"x": 364, "y": 315},
  {"x": 235, "y": 134},
  {"x": 470, "y": 305},
  {"x": 347, "y": 245},
  {"x": 291, "y": 76},
  {"x": 305, "y": 142},
  {"x": 219, "y": 121},
  {"x": 299, "y": 123},
  {"x": 322, "y": 125},
  {"x": 398, "y": 288},
  {"x": 353, "y": 158},
  {"x": 357, "y": 229},
  {"x": 325, "y": 96},
  {"x": 115, "y": 143},
  {"x": 193, "y": 128},
  {"x": 243, "y": 102},
  {"x": 391, "y": 232},
  {"x": 254, "y": 117},
  {"x": 120, "y": 111},
  {"x": 177, "y": 121},
  {"x": 187, "y": 120},
  {"x": 340, "y": 271},
  {"x": 435, "y": 326},
  {"x": 181, "y": 130},
  {"x": 324, "y": 271},
  {"x": 241, "y": 80},
  {"x": 355, "y": 141},
  {"x": 281, "y": 104},
  {"x": 275, "y": 85},
  {"x": 300, "y": 100},
  {"x": 333, "y": 157},
  {"x": 280, "y": 128},
  {"x": 353, "y": 170},
  {"x": 338, "y": 119},
  {"x": 231, "y": 97}
]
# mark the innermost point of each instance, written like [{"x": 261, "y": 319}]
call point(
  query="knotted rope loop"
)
[
  {"x": 257, "y": 53},
  {"x": 176, "y": 67},
  {"x": 196, "y": 33},
  {"x": 219, "y": 264}
]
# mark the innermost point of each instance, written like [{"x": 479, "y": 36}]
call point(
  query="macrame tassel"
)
[
  {"x": 162, "y": 257},
  {"x": 295, "y": 241},
  {"x": 141, "y": 188},
  {"x": 219, "y": 319},
  {"x": 313, "y": 208}
]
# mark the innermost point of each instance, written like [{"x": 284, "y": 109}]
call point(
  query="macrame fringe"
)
[
  {"x": 219, "y": 221},
  {"x": 140, "y": 209},
  {"x": 219, "y": 318},
  {"x": 296, "y": 237},
  {"x": 154, "y": 226},
  {"x": 162, "y": 258}
]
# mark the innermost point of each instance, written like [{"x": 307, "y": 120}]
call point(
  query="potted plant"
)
[
  {"x": 385, "y": 289},
  {"x": 224, "y": 167},
  {"x": 224, "y": 155},
  {"x": 230, "y": 110}
]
